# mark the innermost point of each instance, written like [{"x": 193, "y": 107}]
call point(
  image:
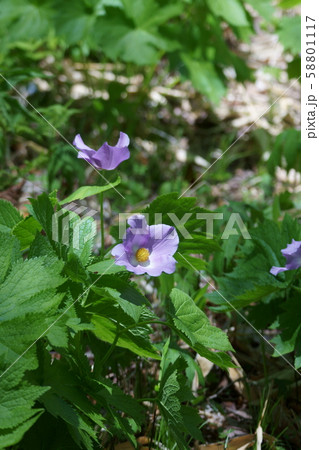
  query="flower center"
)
[{"x": 142, "y": 255}]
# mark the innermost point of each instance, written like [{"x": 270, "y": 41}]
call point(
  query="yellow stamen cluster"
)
[{"x": 142, "y": 255}]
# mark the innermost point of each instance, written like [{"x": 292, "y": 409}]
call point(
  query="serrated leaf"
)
[
  {"x": 75, "y": 270},
  {"x": 82, "y": 235},
  {"x": 173, "y": 391},
  {"x": 9, "y": 216},
  {"x": 58, "y": 407},
  {"x": 16, "y": 405},
  {"x": 17, "y": 398},
  {"x": 42, "y": 210},
  {"x": 168, "y": 398},
  {"x": 20, "y": 283},
  {"x": 26, "y": 231},
  {"x": 41, "y": 247},
  {"x": 11, "y": 436},
  {"x": 189, "y": 319},
  {"x": 9, "y": 253}
]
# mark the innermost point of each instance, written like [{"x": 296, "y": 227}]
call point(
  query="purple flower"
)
[
  {"x": 293, "y": 257},
  {"x": 147, "y": 249},
  {"x": 106, "y": 157}
]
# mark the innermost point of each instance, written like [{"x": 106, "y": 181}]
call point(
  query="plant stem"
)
[
  {"x": 119, "y": 332},
  {"x": 110, "y": 350},
  {"x": 102, "y": 223}
]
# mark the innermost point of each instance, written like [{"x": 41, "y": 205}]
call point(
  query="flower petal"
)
[
  {"x": 275, "y": 270},
  {"x": 138, "y": 221},
  {"x": 121, "y": 259},
  {"x": 79, "y": 144},
  {"x": 159, "y": 264},
  {"x": 124, "y": 140},
  {"x": 118, "y": 250},
  {"x": 165, "y": 239},
  {"x": 134, "y": 241},
  {"x": 138, "y": 270},
  {"x": 293, "y": 255},
  {"x": 108, "y": 158},
  {"x": 292, "y": 248},
  {"x": 85, "y": 152}
]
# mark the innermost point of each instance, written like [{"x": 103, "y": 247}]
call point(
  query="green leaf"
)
[
  {"x": 264, "y": 7},
  {"x": 88, "y": 191},
  {"x": 294, "y": 68},
  {"x": 42, "y": 210},
  {"x": 173, "y": 391},
  {"x": 193, "y": 323},
  {"x": 124, "y": 288},
  {"x": 9, "y": 253},
  {"x": 27, "y": 279},
  {"x": 17, "y": 414},
  {"x": 114, "y": 396},
  {"x": 106, "y": 267},
  {"x": 31, "y": 323},
  {"x": 135, "y": 339},
  {"x": 60, "y": 408},
  {"x": 9, "y": 216},
  {"x": 230, "y": 10},
  {"x": 286, "y": 151},
  {"x": 288, "y": 322},
  {"x": 290, "y": 34},
  {"x": 169, "y": 402},
  {"x": 75, "y": 270},
  {"x": 136, "y": 37},
  {"x": 199, "y": 244},
  {"x": 82, "y": 235},
  {"x": 205, "y": 78},
  {"x": 76, "y": 22},
  {"x": 12, "y": 436},
  {"x": 250, "y": 280},
  {"x": 190, "y": 262},
  {"x": 148, "y": 14},
  {"x": 34, "y": 24},
  {"x": 241, "y": 294},
  {"x": 22, "y": 399},
  {"x": 287, "y": 4},
  {"x": 26, "y": 231}
]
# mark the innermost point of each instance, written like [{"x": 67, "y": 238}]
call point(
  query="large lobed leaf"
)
[{"x": 194, "y": 327}]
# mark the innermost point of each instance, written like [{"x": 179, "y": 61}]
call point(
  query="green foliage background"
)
[{"x": 57, "y": 301}]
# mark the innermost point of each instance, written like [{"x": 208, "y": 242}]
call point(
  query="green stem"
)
[
  {"x": 102, "y": 223},
  {"x": 120, "y": 332},
  {"x": 110, "y": 350}
]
